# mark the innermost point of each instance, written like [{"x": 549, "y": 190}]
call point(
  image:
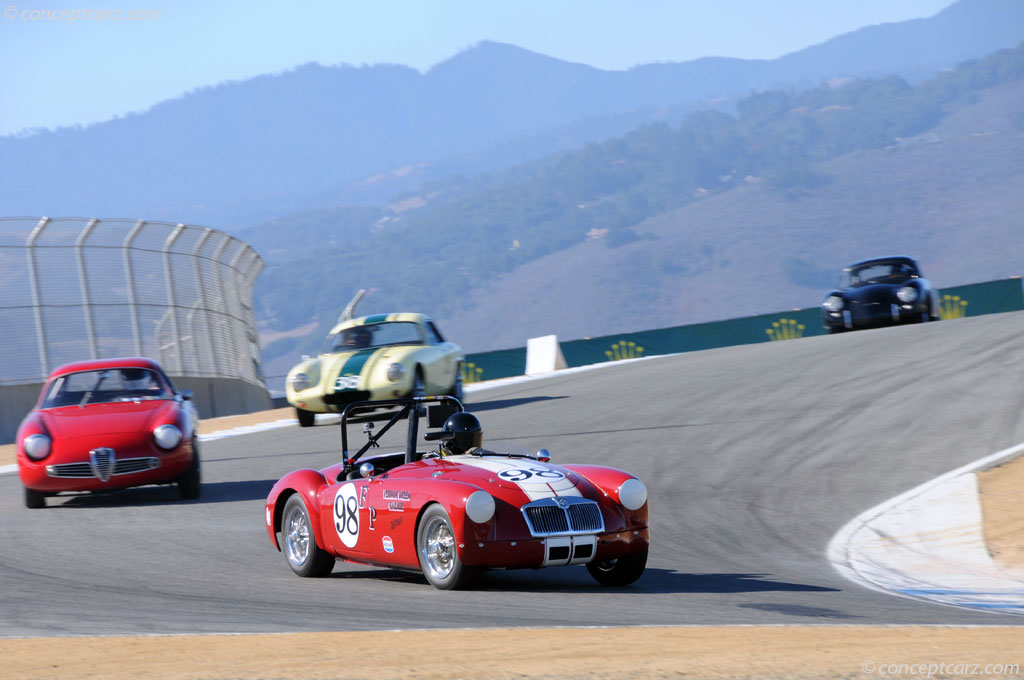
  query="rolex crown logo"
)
[
  {"x": 785, "y": 329},
  {"x": 624, "y": 349},
  {"x": 952, "y": 307},
  {"x": 471, "y": 373}
]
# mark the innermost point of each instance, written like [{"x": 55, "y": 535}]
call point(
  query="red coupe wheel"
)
[{"x": 620, "y": 572}]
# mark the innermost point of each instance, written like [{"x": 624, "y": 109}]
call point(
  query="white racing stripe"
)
[{"x": 534, "y": 478}]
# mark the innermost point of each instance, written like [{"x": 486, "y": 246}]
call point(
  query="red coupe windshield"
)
[{"x": 107, "y": 385}]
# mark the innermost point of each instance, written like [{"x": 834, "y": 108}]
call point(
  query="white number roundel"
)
[
  {"x": 346, "y": 515},
  {"x": 537, "y": 474}
]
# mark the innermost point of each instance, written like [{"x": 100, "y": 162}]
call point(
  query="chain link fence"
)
[{"x": 73, "y": 289}]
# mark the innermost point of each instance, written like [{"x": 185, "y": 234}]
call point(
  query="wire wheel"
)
[
  {"x": 439, "y": 548},
  {"x": 296, "y": 536}
]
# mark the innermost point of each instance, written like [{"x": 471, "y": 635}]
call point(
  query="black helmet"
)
[{"x": 466, "y": 430}]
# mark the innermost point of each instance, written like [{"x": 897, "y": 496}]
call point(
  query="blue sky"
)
[{"x": 65, "y": 69}]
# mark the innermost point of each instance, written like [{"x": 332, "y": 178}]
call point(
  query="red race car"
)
[
  {"x": 108, "y": 424},
  {"x": 459, "y": 509}
]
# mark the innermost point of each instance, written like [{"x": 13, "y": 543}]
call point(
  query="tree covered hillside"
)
[{"x": 430, "y": 251}]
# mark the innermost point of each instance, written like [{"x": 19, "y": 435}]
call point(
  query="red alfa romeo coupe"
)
[
  {"x": 459, "y": 509},
  {"x": 105, "y": 425}
]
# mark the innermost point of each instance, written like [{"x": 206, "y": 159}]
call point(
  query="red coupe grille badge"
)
[{"x": 102, "y": 463}]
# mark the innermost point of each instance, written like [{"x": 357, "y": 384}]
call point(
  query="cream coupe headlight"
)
[
  {"x": 833, "y": 303},
  {"x": 37, "y": 446},
  {"x": 633, "y": 494},
  {"x": 395, "y": 372},
  {"x": 299, "y": 381},
  {"x": 480, "y": 506},
  {"x": 167, "y": 436},
  {"x": 907, "y": 294}
]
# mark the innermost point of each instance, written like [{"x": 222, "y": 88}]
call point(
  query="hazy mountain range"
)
[
  {"x": 232, "y": 155},
  {"x": 347, "y": 177}
]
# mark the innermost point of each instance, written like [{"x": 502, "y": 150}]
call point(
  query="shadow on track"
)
[
  {"x": 577, "y": 580},
  {"x": 212, "y": 492},
  {"x": 506, "y": 403}
]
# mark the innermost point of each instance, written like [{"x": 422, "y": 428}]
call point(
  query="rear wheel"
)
[
  {"x": 419, "y": 388},
  {"x": 34, "y": 499},
  {"x": 620, "y": 572},
  {"x": 438, "y": 552},
  {"x": 306, "y": 418},
  {"x": 304, "y": 556},
  {"x": 457, "y": 388},
  {"x": 190, "y": 482}
]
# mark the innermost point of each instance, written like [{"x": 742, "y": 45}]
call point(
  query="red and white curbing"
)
[{"x": 929, "y": 544}]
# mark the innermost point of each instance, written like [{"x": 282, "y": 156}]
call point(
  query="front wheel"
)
[
  {"x": 189, "y": 483},
  {"x": 620, "y": 572},
  {"x": 34, "y": 499},
  {"x": 304, "y": 556},
  {"x": 438, "y": 552},
  {"x": 306, "y": 418}
]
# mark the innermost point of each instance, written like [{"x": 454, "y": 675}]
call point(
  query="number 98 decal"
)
[
  {"x": 346, "y": 515},
  {"x": 524, "y": 473}
]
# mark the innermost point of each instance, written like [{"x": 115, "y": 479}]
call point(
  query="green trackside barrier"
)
[
  {"x": 991, "y": 297},
  {"x": 502, "y": 363}
]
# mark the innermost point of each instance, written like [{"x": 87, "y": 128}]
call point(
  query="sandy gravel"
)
[
  {"x": 601, "y": 654},
  {"x": 1002, "y": 505}
]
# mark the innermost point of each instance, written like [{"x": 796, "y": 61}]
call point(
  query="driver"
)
[
  {"x": 358, "y": 337},
  {"x": 467, "y": 434}
]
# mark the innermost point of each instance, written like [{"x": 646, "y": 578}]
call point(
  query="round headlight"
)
[
  {"x": 833, "y": 303},
  {"x": 395, "y": 372},
  {"x": 37, "y": 446},
  {"x": 907, "y": 294},
  {"x": 299, "y": 381},
  {"x": 480, "y": 506},
  {"x": 167, "y": 436},
  {"x": 633, "y": 494}
]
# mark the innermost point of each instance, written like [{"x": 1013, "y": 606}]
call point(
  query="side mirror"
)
[
  {"x": 544, "y": 456},
  {"x": 366, "y": 470},
  {"x": 186, "y": 395}
]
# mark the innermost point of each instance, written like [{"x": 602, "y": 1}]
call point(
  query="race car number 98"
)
[{"x": 522, "y": 474}]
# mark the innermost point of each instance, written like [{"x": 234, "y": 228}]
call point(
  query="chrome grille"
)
[
  {"x": 563, "y": 515},
  {"x": 124, "y": 466},
  {"x": 102, "y": 462}
]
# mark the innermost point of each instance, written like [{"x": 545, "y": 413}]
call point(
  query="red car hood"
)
[
  {"x": 515, "y": 480},
  {"x": 98, "y": 419}
]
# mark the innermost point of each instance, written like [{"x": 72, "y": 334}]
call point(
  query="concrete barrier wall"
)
[{"x": 214, "y": 397}]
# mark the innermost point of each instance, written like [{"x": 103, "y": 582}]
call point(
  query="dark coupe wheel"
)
[
  {"x": 34, "y": 499},
  {"x": 438, "y": 553},
  {"x": 620, "y": 572},
  {"x": 189, "y": 483},
  {"x": 306, "y": 418},
  {"x": 298, "y": 541}
]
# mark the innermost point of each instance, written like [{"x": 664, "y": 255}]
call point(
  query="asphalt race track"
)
[{"x": 754, "y": 456}]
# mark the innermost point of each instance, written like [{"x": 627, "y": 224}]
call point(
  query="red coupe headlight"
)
[
  {"x": 167, "y": 436},
  {"x": 37, "y": 446},
  {"x": 633, "y": 494}
]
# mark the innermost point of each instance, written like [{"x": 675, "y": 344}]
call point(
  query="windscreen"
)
[
  {"x": 373, "y": 335},
  {"x": 107, "y": 385}
]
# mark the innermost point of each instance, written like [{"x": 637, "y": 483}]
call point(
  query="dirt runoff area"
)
[
  {"x": 546, "y": 654},
  {"x": 1002, "y": 506}
]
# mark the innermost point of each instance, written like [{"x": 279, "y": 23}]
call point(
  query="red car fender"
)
[
  {"x": 308, "y": 484},
  {"x": 608, "y": 481}
]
